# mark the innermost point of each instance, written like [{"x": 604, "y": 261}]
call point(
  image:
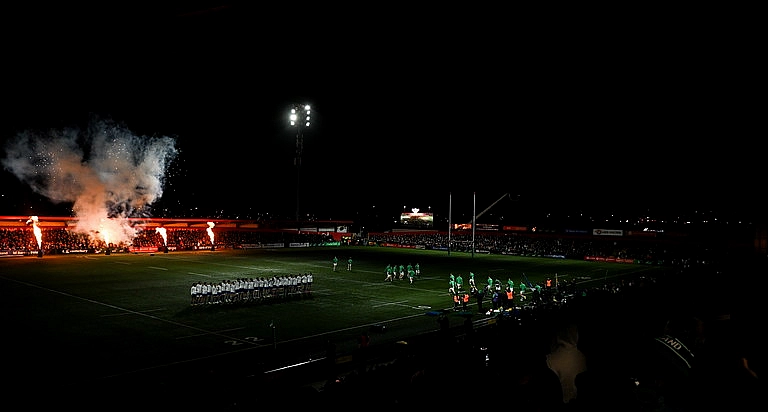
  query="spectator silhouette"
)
[{"x": 566, "y": 360}]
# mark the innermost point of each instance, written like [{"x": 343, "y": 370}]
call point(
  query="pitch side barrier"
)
[{"x": 8, "y": 252}]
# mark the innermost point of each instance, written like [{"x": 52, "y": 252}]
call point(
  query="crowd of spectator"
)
[
  {"x": 56, "y": 240},
  {"x": 679, "y": 253}
]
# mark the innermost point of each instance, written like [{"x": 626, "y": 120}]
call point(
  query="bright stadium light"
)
[
  {"x": 294, "y": 117},
  {"x": 300, "y": 117}
]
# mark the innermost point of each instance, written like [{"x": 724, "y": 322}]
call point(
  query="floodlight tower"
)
[{"x": 299, "y": 118}]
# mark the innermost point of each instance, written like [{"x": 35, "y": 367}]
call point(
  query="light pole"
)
[{"x": 299, "y": 117}]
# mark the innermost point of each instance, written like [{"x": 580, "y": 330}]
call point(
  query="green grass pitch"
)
[{"x": 125, "y": 320}]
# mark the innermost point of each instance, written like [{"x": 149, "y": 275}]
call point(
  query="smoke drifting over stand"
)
[{"x": 106, "y": 172}]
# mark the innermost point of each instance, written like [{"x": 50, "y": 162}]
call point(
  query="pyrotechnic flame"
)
[
  {"x": 161, "y": 231},
  {"x": 36, "y": 229},
  {"x": 210, "y": 231},
  {"x": 104, "y": 232}
]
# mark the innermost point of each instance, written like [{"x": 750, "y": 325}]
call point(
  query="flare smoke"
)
[{"x": 106, "y": 172}]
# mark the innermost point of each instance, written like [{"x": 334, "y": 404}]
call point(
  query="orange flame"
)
[
  {"x": 161, "y": 231},
  {"x": 36, "y": 229},
  {"x": 210, "y": 231},
  {"x": 104, "y": 231}
]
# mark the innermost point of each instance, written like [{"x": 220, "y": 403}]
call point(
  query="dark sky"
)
[{"x": 406, "y": 111}]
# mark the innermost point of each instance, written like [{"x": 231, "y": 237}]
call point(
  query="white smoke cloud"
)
[{"x": 106, "y": 172}]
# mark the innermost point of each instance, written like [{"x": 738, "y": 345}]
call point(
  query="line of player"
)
[{"x": 251, "y": 290}]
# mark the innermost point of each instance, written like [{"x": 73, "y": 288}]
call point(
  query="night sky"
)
[{"x": 406, "y": 113}]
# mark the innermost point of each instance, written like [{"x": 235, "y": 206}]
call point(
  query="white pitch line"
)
[
  {"x": 391, "y": 303},
  {"x": 155, "y": 267},
  {"x": 125, "y": 313},
  {"x": 209, "y": 333}
]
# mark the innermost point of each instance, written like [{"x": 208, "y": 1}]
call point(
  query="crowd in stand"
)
[
  {"x": 573, "y": 247},
  {"x": 59, "y": 239},
  {"x": 682, "y": 254}
]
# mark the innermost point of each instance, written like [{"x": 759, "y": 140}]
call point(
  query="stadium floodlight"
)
[
  {"x": 297, "y": 112},
  {"x": 294, "y": 117}
]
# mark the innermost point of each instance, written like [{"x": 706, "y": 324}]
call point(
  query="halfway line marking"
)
[
  {"x": 391, "y": 303},
  {"x": 123, "y": 314},
  {"x": 208, "y": 333}
]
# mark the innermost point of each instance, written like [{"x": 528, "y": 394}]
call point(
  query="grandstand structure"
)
[
  {"x": 60, "y": 235},
  {"x": 340, "y": 226},
  {"x": 28, "y": 235}
]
